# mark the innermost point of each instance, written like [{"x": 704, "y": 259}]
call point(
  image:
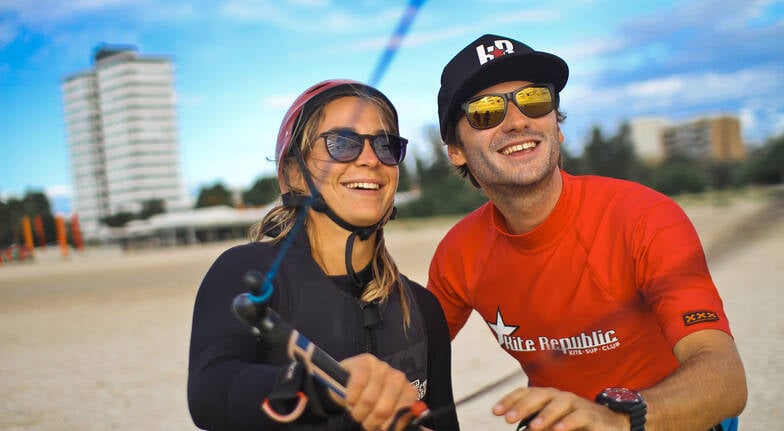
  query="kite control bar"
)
[{"x": 252, "y": 309}]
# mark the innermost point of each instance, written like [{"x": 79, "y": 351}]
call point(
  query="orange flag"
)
[
  {"x": 61, "y": 236},
  {"x": 27, "y": 232}
]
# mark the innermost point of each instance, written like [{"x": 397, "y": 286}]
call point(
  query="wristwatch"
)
[{"x": 625, "y": 401}]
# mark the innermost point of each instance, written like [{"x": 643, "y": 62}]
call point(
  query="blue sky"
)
[{"x": 239, "y": 63}]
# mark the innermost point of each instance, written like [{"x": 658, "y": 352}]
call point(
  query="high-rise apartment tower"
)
[{"x": 121, "y": 120}]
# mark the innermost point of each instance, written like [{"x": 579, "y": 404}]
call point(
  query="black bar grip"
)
[{"x": 276, "y": 330}]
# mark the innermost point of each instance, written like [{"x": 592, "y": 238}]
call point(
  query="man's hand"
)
[
  {"x": 556, "y": 410},
  {"x": 376, "y": 391}
]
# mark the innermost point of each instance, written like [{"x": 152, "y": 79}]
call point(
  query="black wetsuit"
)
[{"x": 231, "y": 372}]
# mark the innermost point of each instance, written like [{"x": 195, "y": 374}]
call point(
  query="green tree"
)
[
  {"x": 152, "y": 207},
  {"x": 766, "y": 165},
  {"x": 443, "y": 191},
  {"x": 405, "y": 182},
  {"x": 677, "y": 175},
  {"x": 263, "y": 191},
  {"x": 613, "y": 157},
  {"x": 595, "y": 153},
  {"x": 10, "y": 215},
  {"x": 570, "y": 163},
  {"x": 724, "y": 175},
  {"x": 215, "y": 195},
  {"x": 149, "y": 208},
  {"x": 34, "y": 203},
  {"x": 119, "y": 219}
]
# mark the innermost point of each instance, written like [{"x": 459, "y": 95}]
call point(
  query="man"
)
[{"x": 597, "y": 286}]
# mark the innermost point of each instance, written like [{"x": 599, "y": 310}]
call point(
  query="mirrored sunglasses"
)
[
  {"x": 489, "y": 110},
  {"x": 345, "y": 145}
]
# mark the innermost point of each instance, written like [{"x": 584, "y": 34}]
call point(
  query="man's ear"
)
[{"x": 456, "y": 155}]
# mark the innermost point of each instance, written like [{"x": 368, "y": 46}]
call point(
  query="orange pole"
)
[
  {"x": 39, "y": 231},
  {"x": 61, "y": 239},
  {"x": 27, "y": 232},
  {"x": 76, "y": 233}
]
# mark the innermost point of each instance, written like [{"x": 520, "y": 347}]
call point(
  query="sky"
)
[{"x": 240, "y": 63}]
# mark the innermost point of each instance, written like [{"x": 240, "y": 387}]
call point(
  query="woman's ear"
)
[{"x": 292, "y": 176}]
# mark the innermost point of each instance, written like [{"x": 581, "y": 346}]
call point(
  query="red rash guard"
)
[{"x": 595, "y": 296}]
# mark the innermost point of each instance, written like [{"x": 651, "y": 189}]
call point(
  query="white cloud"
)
[
  {"x": 250, "y": 10},
  {"x": 309, "y": 16},
  {"x": 8, "y": 32},
  {"x": 188, "y": 101},
  {"x": 429, "y": 37},
  {"x": 538, "y": 16},
  {"x": 310, "y": 3},
  {"x": 676, "y": 92},
  {"x": 748, "y": 119},
  {"x": 59, "y": 190},
  {"x": 278, "y": 101},
  {"x": 761, "y": 120},
  {"x": 46, "y": 15},
  {"x": 36, "y": 12},
  {"x": 778, "y": 123},
  {"x": 587, "y": 50},
  {"x": 421, "y": 38}
]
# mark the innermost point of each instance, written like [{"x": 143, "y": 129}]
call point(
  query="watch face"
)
[{"x": 622, "y": 395}]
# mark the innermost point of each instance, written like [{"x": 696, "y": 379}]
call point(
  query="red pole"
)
[
  {"x": 39, "y": 231},
  {"x": 76, "y": 233}
]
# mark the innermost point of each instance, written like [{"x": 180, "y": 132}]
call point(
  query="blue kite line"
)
[
  {"x": 395, "y": 41},
  {"x": 392, "y": 47}
]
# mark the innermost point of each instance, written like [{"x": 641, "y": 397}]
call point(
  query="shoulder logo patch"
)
[{"x": 694, "y": 317}]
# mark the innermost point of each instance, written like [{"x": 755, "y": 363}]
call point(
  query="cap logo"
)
[{"x": 491, "y": 52}]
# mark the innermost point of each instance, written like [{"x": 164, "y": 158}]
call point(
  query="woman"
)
[{"x": 338, "y": 285}]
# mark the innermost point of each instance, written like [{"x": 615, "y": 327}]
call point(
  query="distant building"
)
[
  {"x": 121, "y": 120},
  {"x": 708, "y": 138},
  {"x": 717, "y": 139},
  {"x": 646, "y": 135}
]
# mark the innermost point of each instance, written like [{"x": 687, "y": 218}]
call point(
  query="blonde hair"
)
[{"x": 280, "y": 220}]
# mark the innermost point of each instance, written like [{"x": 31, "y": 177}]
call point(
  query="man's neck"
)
[{"x": 525, "y": 208}]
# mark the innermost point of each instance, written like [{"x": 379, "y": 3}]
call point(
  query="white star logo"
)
[{"x": 500, "y": 328}]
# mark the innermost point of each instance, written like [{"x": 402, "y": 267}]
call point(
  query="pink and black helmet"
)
[{"x": 304, "y": 105}]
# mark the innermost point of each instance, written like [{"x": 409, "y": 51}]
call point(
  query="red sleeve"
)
[
  {"x": 673, "y": 275},
  {"x": 447, "y": 282}
]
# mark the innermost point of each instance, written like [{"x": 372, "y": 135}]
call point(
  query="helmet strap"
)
[{"x": 319, "y": 205}]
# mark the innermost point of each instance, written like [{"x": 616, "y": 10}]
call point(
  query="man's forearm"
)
[{"x": 709, "y": 385}]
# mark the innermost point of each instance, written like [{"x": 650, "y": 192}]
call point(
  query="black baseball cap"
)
[{"x": 489, "y": 60}]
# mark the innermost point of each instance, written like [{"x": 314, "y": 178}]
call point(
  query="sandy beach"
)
[{"x": 99, "y": 341}]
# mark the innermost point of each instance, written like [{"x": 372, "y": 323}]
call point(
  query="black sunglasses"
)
[
  {"x": 345, "y": 145},
  {"x": 489, "y": 110}
]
